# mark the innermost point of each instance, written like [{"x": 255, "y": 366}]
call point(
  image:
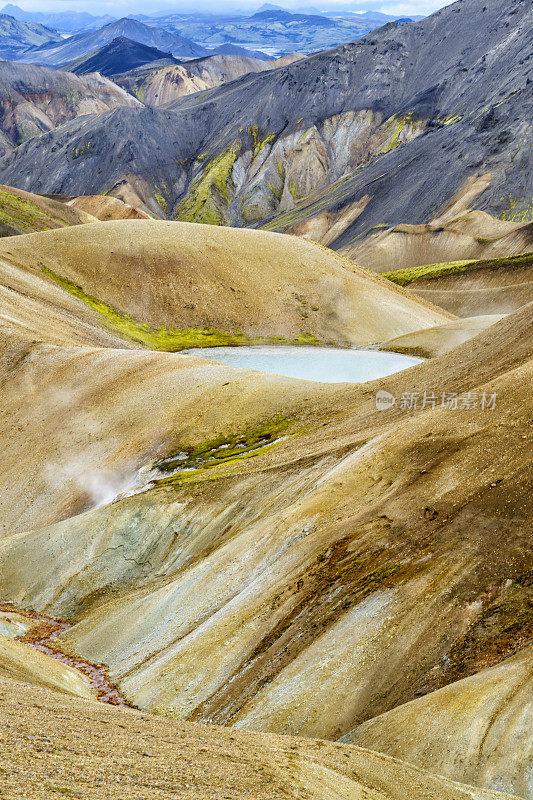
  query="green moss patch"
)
[
  {"x": 293, "y": 189},
  {"x": 259, "y": 143},
  {"x": 138, "y": 90},
  {"x": 189, "y": 464},
  {"x": 167, "y": 339},
  {"x": 403, "y": 277},
  {"x": 519, "y": 209},
  {"x": 398, "y": 125},
  {"x": 80, "y": 152},
  {"x": 209, "y": 195},
  {"x": 416, "y": 350},
  {"x": 161, "y": 193},
  {"x": 21, "y": 214}
]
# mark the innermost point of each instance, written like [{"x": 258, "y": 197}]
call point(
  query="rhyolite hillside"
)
[
  {"x": 245, "y": 564},
  {"x": 34, "y": 100},
  {"x": 251, "y": 550}
]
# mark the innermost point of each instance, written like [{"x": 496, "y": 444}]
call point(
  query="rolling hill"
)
[
  {"x": 440, "y": 731},
  {"x": 195, "y": 762},
  {"x": 248, "y": 284},
  {"x": 455, "y": 236},
  {"x": 472, "y": 287},
  {"x": 23, "y": 212}
]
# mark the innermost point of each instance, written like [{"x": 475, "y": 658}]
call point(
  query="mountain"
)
[
  {"x": 275, "y": 31},
  {"x": 235, "y": 50},
  {"x": 375, "y": 16},
  {"x": 37, "y": 99},
  {"x": 161, "y": 83},
  {"x": 330, "y": 145},
  {"x": 290, "y": 17},
  {"x": 121, "y": 55},
  {"x": 269, "y": 7},
  {"x": 68, "y": 21},
  {"x": 85, "y": 43},
  {"x": 17, "y": 36}
]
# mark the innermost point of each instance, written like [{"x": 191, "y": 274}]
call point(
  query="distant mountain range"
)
[
  {"x": 275, "y": 30},
  {"x": 67, "y": 21},
  {"x": 82, "y": 44},
  {"x": 291, "y": 17},
  {"x": 271, "y": 31},
  {"x": 17, "y": 36}
]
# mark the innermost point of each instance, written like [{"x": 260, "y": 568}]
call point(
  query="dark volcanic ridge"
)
[
  {"x": 396, "y": 122},
  {"x": 120, "y": 55}
]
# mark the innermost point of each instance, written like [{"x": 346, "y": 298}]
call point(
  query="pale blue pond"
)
[{"x": 321, "y": 364}]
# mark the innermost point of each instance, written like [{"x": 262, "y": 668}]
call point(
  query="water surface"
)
[{"x": 321, "y": 364}]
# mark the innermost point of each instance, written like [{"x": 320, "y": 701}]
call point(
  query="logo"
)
[{"x": 384, "y": 400}]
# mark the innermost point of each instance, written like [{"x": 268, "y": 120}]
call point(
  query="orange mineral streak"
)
[{"x": 41, "y": 637}]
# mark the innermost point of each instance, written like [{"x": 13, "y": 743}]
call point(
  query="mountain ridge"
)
[
  {"x": 18, "y": 36},
  {"x": 81, "y": 44},
  {"x": 340, "y": 125},
  {"x": 120, "y": 55}
]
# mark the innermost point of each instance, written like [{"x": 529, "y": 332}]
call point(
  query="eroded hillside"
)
[
  {"x": 314, "y": 562},
  {"x": 162, "y": 759},
  {"x": 36, "y": 100}
]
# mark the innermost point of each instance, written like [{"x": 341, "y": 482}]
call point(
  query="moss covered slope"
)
[
  {"x": 403, "y": 277},
  {"x": 170, "y": 285},
  {"x": 23, "y": 212}
]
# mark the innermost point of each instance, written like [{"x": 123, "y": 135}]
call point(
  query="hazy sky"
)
[{"x": 119, "y": 8}]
